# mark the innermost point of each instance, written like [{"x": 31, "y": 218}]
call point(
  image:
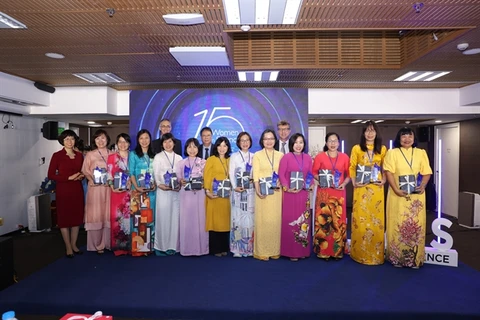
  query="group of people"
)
[{"x": 204, "y": 199}]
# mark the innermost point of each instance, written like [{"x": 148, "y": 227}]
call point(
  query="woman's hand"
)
[
  {"x": 340, "y": 187},
  {"x": 239, "y": 189},
  {"x": 261, "y": 196},
  {"x": 210, "y": 195},
  {"x": 420, "y": 189},
  {"x": 164, "y": 187},
  {"x": 400, "y": 193},
  {"x": 75, "y": 176},
  {"x": 358, "y": 185}
]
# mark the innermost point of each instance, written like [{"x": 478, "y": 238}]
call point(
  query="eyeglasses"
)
[
  {"x": 283, "y": 129},
  {"x": 69, "y": 139},
  {"x": 244, "y": 140},
  {"x": 268, "y": 139},
  {"x": 370, "y": 130},
  {"x": 332, "y": 141},
  {"x": 165, "y": 126}
]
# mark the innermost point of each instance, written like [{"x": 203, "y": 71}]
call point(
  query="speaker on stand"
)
[{"x": 50, "y": 130}]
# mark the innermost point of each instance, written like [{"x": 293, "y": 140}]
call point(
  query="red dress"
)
[{"x": 69, "y": 193}]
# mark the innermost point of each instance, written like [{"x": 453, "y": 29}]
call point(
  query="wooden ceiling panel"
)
[{"x": 335, "y": 43}]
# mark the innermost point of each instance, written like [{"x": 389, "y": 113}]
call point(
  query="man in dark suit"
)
[
  {"x": 283, "y": 130},
  {"x": 166, "y": 127},
  {"x": 205, "y": 149}
]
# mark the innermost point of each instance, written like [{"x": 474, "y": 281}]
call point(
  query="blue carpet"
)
[{"x": 230, "y": 288}]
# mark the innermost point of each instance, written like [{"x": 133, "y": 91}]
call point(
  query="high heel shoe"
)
[
  {"x": 69, "y": 256},
  {"x": 79, "y": 252}
]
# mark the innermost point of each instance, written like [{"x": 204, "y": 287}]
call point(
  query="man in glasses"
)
[
  {"x": 283, "y": 130},
  {"x": 166, "y": 127}
]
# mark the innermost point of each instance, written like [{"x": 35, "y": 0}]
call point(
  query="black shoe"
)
[
  {"x": 70, "y": 256},
  {"x": 79, "y": 252}
]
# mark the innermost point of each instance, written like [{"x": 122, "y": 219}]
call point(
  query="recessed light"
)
[
  {"x": 54, "y": 55},
  {"x": 378, "y": 121},
  {"x": 91, "y": 122},
  {"x": 258, "y": 75},
  {"x": 356, "y": 121},
  {"x": 184, "y": 19},
  {"x": 421, "y": 75},
  {"x": 109, "y": 123},
  {"x": 471, "y": 51},
  {"x": 438, "y": 121},
  {"x": 7, "y": 22}
]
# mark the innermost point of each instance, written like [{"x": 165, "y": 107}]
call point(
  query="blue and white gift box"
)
[
  {"x": 325, "y": 178},
  {"x": 221, "y": 188},
  {"x": 171, "y": 180},
  {"x": 266, "y": 186},
  {"x": 194, "y": 184},
  {"x": 364, "y": 174},
  {"x": 296, "y": 180},
  {"x": 243, "y": 179},
  {"x": 407, "y": 183}
]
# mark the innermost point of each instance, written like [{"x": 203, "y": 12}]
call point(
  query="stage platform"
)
[{"x": 243, "y": 288}]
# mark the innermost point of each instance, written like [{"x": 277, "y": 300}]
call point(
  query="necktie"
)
[
  {"x": 283, "y": 147},
  {"x": 206, "y": 153}
]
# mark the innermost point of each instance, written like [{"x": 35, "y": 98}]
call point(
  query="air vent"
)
[{"x": 99, "y": 77}]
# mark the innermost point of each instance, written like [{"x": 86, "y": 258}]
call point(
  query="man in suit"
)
[
  {"x": 283, "y": 130},
  {"x": 166, "y": 127},
  {"x": 205, "y": 150}
]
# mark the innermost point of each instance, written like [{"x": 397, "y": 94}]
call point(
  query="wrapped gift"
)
[
  {"x": 97, "y": 316},
  {"x": 243, "y": 179},
  {"x": 224, "y": 188},
  {"x": 171, "y": 180},
  {"x": 194, "y": 184},
  {"x": 266, "y": 186},
  {"x": 325, "y": 178},
  {"x": 99, "y": 175},
  {"x": 308, "y": 180},
  {"x": 407, "y": 183},
  {"x": 363, "y": 174},
  {"x": 296, "y": 180},
  {"x": 376, "y": 174},
  {"x": 120, "y": 180}
]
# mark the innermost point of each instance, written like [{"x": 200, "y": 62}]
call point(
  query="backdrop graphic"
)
[{"x": 227, "y": 111}]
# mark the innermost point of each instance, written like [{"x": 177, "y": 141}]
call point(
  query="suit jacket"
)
[
  {"x": 277, "y": 146},
  {"x": 157, "y": 147},
  {"x": 200, "y": 151}
]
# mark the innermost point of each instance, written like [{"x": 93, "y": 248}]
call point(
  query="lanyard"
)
[
  {"x": 147, "y": 161},
  {"x": 300, "y": 166},
  {"x": 273, "y": 158},
  {"x": 333, "y": 165},
  {"x": 370, "y": 159},
  {"x": 224, "y": 169},
  {"x": 103, "y": 157},
  {"x": 121, "y": 159},
  {"x": 190, "y": 164},
  {"x": 171, "y": 163},
  {"x": 410, "y": 164},
  {"x": 243, "y": 159}
]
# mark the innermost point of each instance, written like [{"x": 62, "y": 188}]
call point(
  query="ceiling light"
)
[
  {"x": 471, "y": 51},
  {"x": 7, "y": 22},
  {"x": 438, "y": 75},
  {"x": 378, "y": 121},
  {"x": 184, "y": 19},
  {"x": 438, "y": 121},
  {"x": 200, "y": 56},
  {"x": 245, "y": 28},
  {"x": 54, "y": 55},
  {"x": 365, "y": 121},
  {"x": 91, "y": 122},
  {"x": 99, "y": 77},
  {"x": 238, "y": 12},
  {"x": 109, "y": 123},
  {"x": 258, "y": 75},
  {"x": 356, "y": 121},
  {"x": 406, "y": 75},
  {"x": 421, "y": 75}
]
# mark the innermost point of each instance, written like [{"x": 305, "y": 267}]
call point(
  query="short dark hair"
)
[
  {"x": 138, "y": 147},
  {"x": 283, "y": 123},
  {"x": 240, "y": 135},
  {"x": 67, "y": 133},
  {"x": 325, "y": 148},
  {"x": 165, "y": 137},
  {"x": 260, "y": 142},
  {"x": 219, "y": 142},
  {"x": 189, "y": 141},
  {"x": 404, "y": 131},
  {"x": 377, "y": 143},
  {"x": 97, "y": 134},
  {"x": 294, "y": 138},
  {"x": 206, "y": 129},
  {"x": 124, "y": 136}
]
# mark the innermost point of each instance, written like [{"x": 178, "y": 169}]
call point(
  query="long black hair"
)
[
  {"x": 401, "y": 132},
  {"x": 219, "y": 142},
  {"x": 377, "y": 143},
  {"x": 138, "y": 147}
]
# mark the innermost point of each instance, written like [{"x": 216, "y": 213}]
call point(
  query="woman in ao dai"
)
[
  {"x": 167, "y": 214},
  {"x": 193, "y": 237},
  {"x": 243, "y": 199}
]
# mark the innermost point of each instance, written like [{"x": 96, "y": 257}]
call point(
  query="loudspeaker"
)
[
  {"x": 44, "y": 87},
  {"x": 50, "y": 130},
  {"x": 423, "y": 134},
  {"x": 7, "y": 272}
]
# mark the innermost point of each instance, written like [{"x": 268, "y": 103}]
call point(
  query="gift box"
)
[
  {"x": 325, "y": 178},
  {"x": 364, "y": 174},
  {"x": 243, "y": 179},
  {"x": 120, "y": 180},
  {"x": 171, "y": 180},
  {"x": 99, "y": 175},
  {"x": 224, "y": 188},
  {"x": 296, "y": 180},
  {"x": 266, "y": 186},
  {"x": 194, "y": 184},
  {"x": 145, "y": 181},
  {"x": 75, "y": 316},
  {"x": 407, "y": 183}
]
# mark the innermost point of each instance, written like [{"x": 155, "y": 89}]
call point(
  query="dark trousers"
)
[{"x": 218, "y": 242}]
